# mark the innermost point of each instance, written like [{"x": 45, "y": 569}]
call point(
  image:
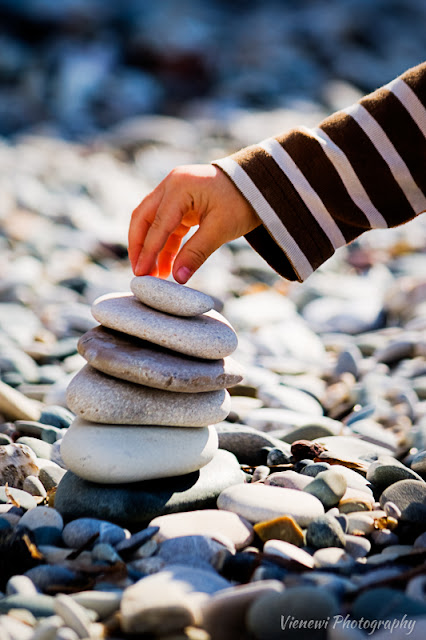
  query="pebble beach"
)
[{"x": 273, "y": 486}]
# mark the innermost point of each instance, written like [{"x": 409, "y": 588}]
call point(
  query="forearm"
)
[{"x": 318, "y": 189}]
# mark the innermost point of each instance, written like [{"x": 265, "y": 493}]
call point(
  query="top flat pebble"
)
[
  {"x": 206, "y": 336},
  {"x": 170, "y": 297}
]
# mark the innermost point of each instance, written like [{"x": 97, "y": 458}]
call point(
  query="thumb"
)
[{"x": 196, "y": 251}]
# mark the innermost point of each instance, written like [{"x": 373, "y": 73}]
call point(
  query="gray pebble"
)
[
  {"x": 42, "y": 517},
  {"x": 315, "y": 468},
  {"x": 325, "y": 532},
  {"x": 34, "y": 486},
  {"x": 328, "y": 486},
  {"x": 79, "y": 531},
  {"x": 170, "y": 297},
  {"x": 192, "y": 551},
  {"x": 410, "y": 498},
  {"x": 44, "y": 576},
  {"x": 50, "y": 475}
]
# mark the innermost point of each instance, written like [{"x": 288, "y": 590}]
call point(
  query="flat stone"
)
[
  {"x": 332, "y": 557},
  {"x": 170, "y": 297},
  {"x": 78, "y": 532},
  {"x": 119, "y": 454},
  {"x": 191, "y": 551},
  {"x": 46, "y": 575},
  {"x": 301, "y": 604},
  {"x": 100, "y": 398},
  {"x": 135, "y": 360},
  {"x": 20, "y": 498},
  {"x": 39, "y": 605},
  {"x": 105, "y": 603},
  {"x": 284, "y": 528},
  {"x": 328, "y": 486},
  {"x": 325, "y": 531},
  {"x": 207, "y": 336},
  {"x": 387, "y": 470},
  {"x": 357, "y": 546},
  {"x": 247, "y": 443},
  {"x": 73, "y": 614},
  {"x": 270, "y": 419},
  {"x": 209, "y": 522},
  {"x": 39, "y": 447},
  {"x": 42, "y": 517},
  {"x": 34, "y": 486},
  {"x": 359, "y": 523},
  {"x": 352, "y": 504},
  {"x": 223, "y": 615},
  {"x": 288, "y": 479},
  {"x": 288, "y": 551},
  {"x": 137, "y": 503},
  {"x": 260, "y": 502},
  {"x": 17, "y": 461},
  {"x": 410, "y": 497},
  {"x": 50, "y": 475},
  {"x": 353, "y": 449},
  {"x": 283, "y": 397}
]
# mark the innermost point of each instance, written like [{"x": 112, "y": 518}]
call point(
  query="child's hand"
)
[{"x": 190, "y": 195}]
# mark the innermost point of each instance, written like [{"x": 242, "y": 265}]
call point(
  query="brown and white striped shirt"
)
[{"x": 318, "y": 189}]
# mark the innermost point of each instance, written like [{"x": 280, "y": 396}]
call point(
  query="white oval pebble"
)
[{"x": 170, "y": 297}]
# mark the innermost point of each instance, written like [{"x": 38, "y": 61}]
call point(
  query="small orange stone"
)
[{"x": 282, "y": 528}]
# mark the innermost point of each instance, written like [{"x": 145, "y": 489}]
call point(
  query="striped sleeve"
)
[{"x": 316, "y": 190}]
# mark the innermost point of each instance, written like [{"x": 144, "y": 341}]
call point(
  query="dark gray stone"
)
[
  {"x": 46, "y": 575},
  {"x": 137, "y": 503},
  {"x": 387, "y": 470},
  {"x": 80, "y": 531},
  {"x": 315, "y": 468},
  {"x": 328, "y": 486},
  {"x": 410, "y": 497},
  {"x": 325, "y": 531},
  {"x": 246, "y": 443}
]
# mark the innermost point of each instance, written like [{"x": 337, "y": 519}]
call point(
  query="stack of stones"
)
[{"x": 155, "y": 383}]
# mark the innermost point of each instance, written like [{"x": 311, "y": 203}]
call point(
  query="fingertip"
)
[{"x": 182, "y": 275}]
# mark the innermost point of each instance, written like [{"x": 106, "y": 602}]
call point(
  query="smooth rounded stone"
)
[
  {"x": 352, "y": 449},
  {"x": 325, "y": 531},
  {"x": 385, "y": 603},
  {"x": 144, "y": 363},
  {"x": 195, "y": 551},
  {"x": 94, "y": 396},
  {"x": 104, "y": 553},
  {"x": 349, "y": 505},
  {"x": 371, "y": 431},
  {"x": 66, "y": 633},
  {"x": 17, "y": 461},
  {"x": 270, "y": 419},
  {"x": 105, "y": 603},
  {"x": 307, "y": 432},
  {"x": 284, "y": 528},
  {"x": 332, "y": 557},
  {"x": 260, "y": 473},
  {"x": 78, "y": 532},
  {"x": 20, "y": 498},
  {"x": 357, "y": 546},
  {"x": 50, "y": 475},
  {"x": 168, "y": 600},
  {"x": 242, "y": 405},
  {"x": 138, "y": 503},
  {"x": 418, "y": 464},
  {"x": 47, "y": 628},
  {"x": 336, "y": 315},
  {"x": 131, "y": 545},
  {"x": 384, "y": 537},
  {"x": 20, "y": 585},
  {"x": 45, "y": 575},
  {"x": 348, "y": 361},
  {"x": 207, "y": 336},
  {"x": 276, "y": 457},
  {"x": 40, "y": 605},
  {"x": 416, "y": 588},
  {"x": 288, "y": 551},
  {"x": 223, "y": 615},
  {"x": 73, "y": 614},
  {"x": 357, "y": 495},
  {"x": 56, "y": 416},
  {"x": 392, "y": 510},
  {"x": 34, "y": 486},
  {"x": 247, "y": 443},
  {"x": 40, "y": 448},
  {"x": 410, "y": 498},
  {"x": 354, "y": 480},
  {"x": 260, "y": 502},
  {"x": 328, "y": 486},
  {"x": 359, "y": 523},
  {"x": 295, "y": 613},
  {"x": 120, "y": 454},
  {"x": 259, "y": 309},
  {"x": 42, "y": 517},
  {"x": 313, "y": 469},
  {"x": 170, "y": 297},
  {"x": 288, "y": 479},
  {"x": 206, "y": 522},
  {"x": 14, "y": 628},
  {"x": 420, "y": 541},
  {"x": 44, "y": 432},
  {"x": 283, "y": 397}
]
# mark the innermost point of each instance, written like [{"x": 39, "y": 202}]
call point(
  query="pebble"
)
[
  {"x": 105, "y": 603},
  {"x": 130, "y": 453},
  {"x": 74, "y": 615},
  {"x": 283, "y": 397},
  {"x": 410, "y": 498},
  {"x": 283, "y": 528},
  {"x": 94, "y": 396},
  {"x": 39, "y": 605},
  {"x": 40, "y": 448},
  {"x": 195, "y": 551},
  {"x": 357, "y": 546},
  {"x": 20, "y": 498},
  {"x": 206, "y": 522},
  {"x": 17, "y": 461},
  {"x": 34, "y": 486},
  {"x": 147, "y": 364},
  {"x": 223, "y": 615},
  {"x": 333, "y": 557},
  {"x": 48, "y": 577},
  {"x": 418, "y": 464},
  {"x": 170, "y": 297},
  {"x": 80, "y": 531},
  {"x": 288, "y": 551},
  {"x": 325, "y": 531},
  {"x": 258, "y": 503},
  {"x": 264, "y": 615},
  {"x": 50, "y": 475},
  {"x": 22, "y": 585},
  {"x": 386, "y": 471},
  {"x": 138, "y": 503},
  {"x": 288, "y": 479},
  {"x": 208, "y": 336},
  {"x": 359, "y": 523},
  {"x": 247, "y": 443},
  {"x": 42, "y": 517},
  {"x": 328, "y": 486}
]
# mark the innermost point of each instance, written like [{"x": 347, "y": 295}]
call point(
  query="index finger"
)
[{"x": 140, "y": 223}]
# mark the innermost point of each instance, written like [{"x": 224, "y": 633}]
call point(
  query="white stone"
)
[
  {"x": 288, "y": 551},
  {"x": 170, "y": 297},
  {"x": 17, "y": 461},
  {"x": 116, "y": 454},
  {"x": 259, "y": 502},
  {"x": 101, "y": 398},
  {"x": 207, "y": 336}
]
